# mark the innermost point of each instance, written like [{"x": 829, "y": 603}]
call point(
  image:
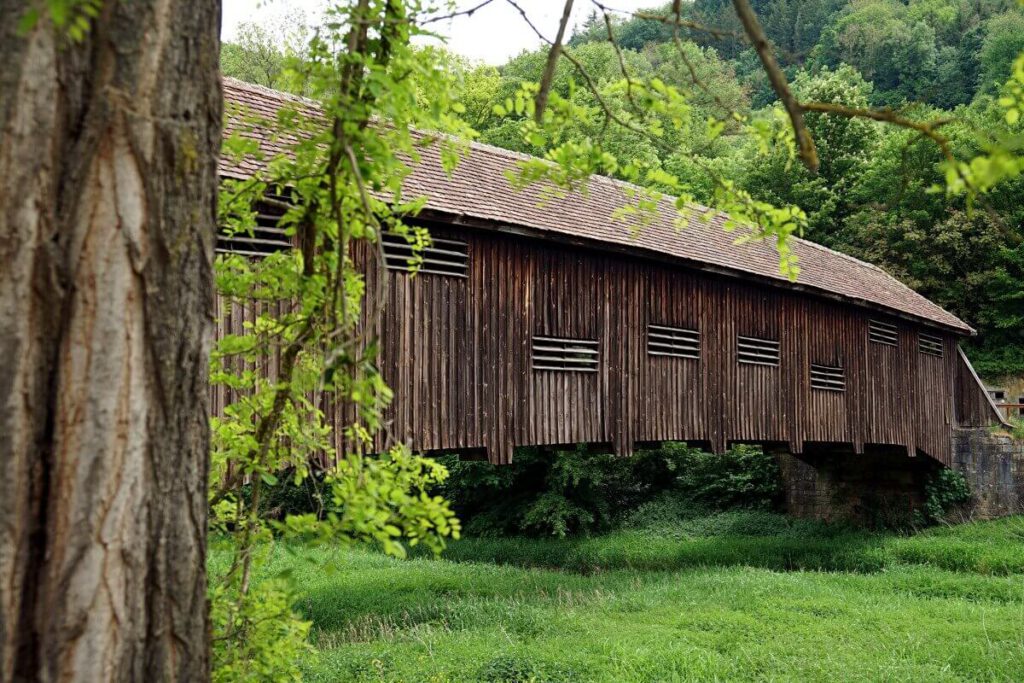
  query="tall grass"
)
[{"x": 728, "y": 596}]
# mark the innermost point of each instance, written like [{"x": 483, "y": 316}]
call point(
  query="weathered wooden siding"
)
[
  {"x": 457, "y": 353},
  {"x": 831, "y": 337},
  {"x": 670, "y": 391}
]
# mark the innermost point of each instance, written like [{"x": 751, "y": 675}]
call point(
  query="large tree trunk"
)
[{"x": 108, "y": 180}]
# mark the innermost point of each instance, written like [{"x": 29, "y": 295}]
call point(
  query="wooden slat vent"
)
[
  {"x": 441, "y": 257},
  {"x": 929, "y": 344},
  {"x": 828, "y": 377},
  {"x": 677, "y": 342},
  {"x": 883, "y": 333},
  {"x": 756, "y": 351},
  {"x": 267, "y": 237},
  {"x": 566, "y": 355}
]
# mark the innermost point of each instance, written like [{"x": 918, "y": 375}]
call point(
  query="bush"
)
[
  {"x": 286, "y": 497},
  {"x": 945, "y": 491},
  {"x": 571, "y": 492},
  {"x": 542, "y": 492},
  {"x": 742, "y": 477}
]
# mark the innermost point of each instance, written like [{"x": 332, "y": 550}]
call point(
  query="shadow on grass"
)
[
  {"x": 641, "y": 551},
  {"x": 762, "y": 541}
]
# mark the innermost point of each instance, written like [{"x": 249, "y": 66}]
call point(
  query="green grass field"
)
[{"x": 733, "y": 596}]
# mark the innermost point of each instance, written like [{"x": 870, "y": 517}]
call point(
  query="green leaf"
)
[{"x": 28, "y": 21}]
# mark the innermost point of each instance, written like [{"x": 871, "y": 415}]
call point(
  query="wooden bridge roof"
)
[{"x": 479, "y": 193}]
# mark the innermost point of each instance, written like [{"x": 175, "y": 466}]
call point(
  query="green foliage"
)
[
  {"x": 508, "y": 669},
  {"x": 291, "y": 494},
  {"x": 70, "y": 18},
  {"x": 542, "y": 492},
  {"x": 845, "y": 147},
  {"x": 744, "y": 476},
  {"x": 383, "y": 500},
  {"x": 269, "y": 640},
  {"x": 1013, "y": 93},
  {"x": 271, "y": 56},
  {"x": 945, "y": 491},
  {"x": 572, "y": 492},
  {"x": 893, "y": 49},
  {"x": 344, "y": 183},
  {"x": 1004, "y": 42}
]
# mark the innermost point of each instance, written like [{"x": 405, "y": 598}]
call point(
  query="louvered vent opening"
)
[
  {"x": 268, "y": 237},
  {"x": 756, "y": 351},
  {"x": 828, "y": 377},
  {"x": 567, "y": 355},
  {"x": 677, "y": 342},
  {"x": 883, "y": 333},
  {"x": 442, "y": 257},
  {"x": 929, "y": 344}
]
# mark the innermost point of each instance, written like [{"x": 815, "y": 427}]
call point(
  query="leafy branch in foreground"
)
[
  {"x": 636, "y": 113},
  {"x": 339, "y": 186},
  {"x": 657, "y": 112}
]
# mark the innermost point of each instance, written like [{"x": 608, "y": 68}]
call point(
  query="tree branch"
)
[
  {"x": 678, "y": 22},
  {"x": 444, "y": 17},
  {"x": 928, "y": 129},
  {"x": 541, "y": 100},
  {"x": 804, "y": 141}
]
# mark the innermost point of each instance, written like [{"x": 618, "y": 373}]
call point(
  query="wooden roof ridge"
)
[{"x": 478, "y": 189}]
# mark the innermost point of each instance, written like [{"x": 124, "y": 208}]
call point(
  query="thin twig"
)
[
  {"x": 461, "y": 13},
  {"x": 679, "y": 22},
  {"x": 622, "y": 60}
]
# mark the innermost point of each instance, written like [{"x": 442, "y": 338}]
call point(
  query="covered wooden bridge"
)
[{"x": 536, "y": 323}]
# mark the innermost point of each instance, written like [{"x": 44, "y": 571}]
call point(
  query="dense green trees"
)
[
  {"x": 1003, "y": 41},
  {"x": 936, "y": 51},
  {"x": 846, "y": 148}
]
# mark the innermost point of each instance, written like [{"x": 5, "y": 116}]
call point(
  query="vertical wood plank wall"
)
[{"x": 457, "y": 353}]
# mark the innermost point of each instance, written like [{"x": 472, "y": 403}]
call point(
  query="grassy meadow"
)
[{"x": 726, "y": 596}]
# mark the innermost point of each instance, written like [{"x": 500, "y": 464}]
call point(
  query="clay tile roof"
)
[{"x": 479, "y": 190}]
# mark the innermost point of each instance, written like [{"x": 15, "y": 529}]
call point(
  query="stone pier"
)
[{"x": 885, "y": 486}]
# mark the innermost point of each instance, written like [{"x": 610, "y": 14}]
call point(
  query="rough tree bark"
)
[{"x": 108, "y": 178}]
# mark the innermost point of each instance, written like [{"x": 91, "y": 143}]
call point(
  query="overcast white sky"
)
[{"x": 492, "y": 35}]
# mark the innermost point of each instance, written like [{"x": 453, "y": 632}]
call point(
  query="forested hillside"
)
[{"x": 874, "y": 195}]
